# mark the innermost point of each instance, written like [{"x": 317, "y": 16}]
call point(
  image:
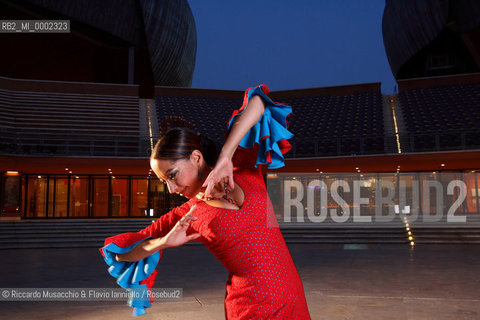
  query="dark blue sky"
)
[{"x": 289, "y": 44}]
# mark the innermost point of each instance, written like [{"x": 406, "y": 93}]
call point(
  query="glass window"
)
[
  {"x": 79, "y": 197},
  {"x": 423, "y": 196},
  {"x": 119, "y": 197},
  {"x": 329, "y": 179},
  {"x": 59, "y": 202},
  {"x": 367, "y": 186},
  {"x": 471, "y": 202},
  {"x": 274, "y": 188},
  {"x": 453, "y": 201},
  {"x": 100, "y": 197},
  {"x": 158, "y": 196},
  {"x": 139, "y": 196},
  {"x": 409, "y": 196},
  {"x": 386, "y": 196},
  {"x": 431, "y": 194},
  {"x": 37, "y": 196}
]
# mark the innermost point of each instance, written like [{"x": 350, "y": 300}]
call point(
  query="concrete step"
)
[{"x": 92, "y": 233}]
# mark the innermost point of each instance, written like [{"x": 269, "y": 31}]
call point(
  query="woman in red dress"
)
[{"x": 228, "y": 210}]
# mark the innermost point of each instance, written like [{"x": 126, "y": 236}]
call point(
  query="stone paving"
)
[{"x": 341, "y": 282}]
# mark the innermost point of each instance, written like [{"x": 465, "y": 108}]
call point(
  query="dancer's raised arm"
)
[{"x": 224, "y": 167}]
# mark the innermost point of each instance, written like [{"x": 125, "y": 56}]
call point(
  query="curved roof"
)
[
  {"x": 166, "y": 27},
  {"x": 410, "y": 25}
]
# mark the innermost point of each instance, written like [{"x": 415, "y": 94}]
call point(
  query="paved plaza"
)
[{"x": 341, "y": 282}]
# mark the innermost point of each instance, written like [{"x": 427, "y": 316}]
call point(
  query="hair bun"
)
[{"x": 174, "y": 122}]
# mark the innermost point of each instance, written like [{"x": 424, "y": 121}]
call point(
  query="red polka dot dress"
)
[{"x": 263, "y": 282}]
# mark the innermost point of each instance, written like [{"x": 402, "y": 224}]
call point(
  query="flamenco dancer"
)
[{"x": 228, "y": 211}]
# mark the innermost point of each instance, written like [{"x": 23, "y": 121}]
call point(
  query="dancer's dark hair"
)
[{"x": 178, "y": 142}]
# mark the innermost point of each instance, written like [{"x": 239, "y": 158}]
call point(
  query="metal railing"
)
[
  {"x": 385, "y": 144},
  {"x": 75, "y": 145},
  {"x": 95, "y": 145}
]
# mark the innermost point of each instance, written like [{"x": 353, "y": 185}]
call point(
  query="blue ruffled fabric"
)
[
  {"x": 129, "y": 274},
  {"x": 268, "y": 131}
]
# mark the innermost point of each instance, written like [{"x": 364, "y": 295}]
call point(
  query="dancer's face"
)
[{"x": 181, "y": 176}]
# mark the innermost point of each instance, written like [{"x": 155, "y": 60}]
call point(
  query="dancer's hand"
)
[
  {"x": 223, "y": 172},
  {"x": 178, "y": 235}
]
